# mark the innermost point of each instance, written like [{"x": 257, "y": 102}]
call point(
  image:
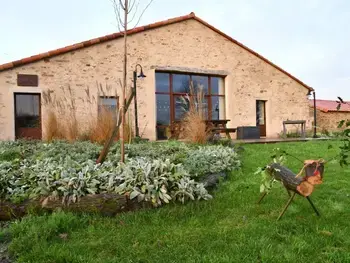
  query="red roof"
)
[
  {"x": 330, "y": 106},
  {"x": 106, "y": 38}
]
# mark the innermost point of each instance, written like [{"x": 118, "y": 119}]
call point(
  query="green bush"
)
[{"x": 211, "y": 159}]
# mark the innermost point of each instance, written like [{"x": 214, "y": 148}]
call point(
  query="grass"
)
[
  {"x": 229, "y": 228},
  {"x": 62, "y": 122},
  {"x": 195, "y": 129}
]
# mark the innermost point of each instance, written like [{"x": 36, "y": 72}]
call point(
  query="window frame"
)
[{"x": 173, "y": 95}]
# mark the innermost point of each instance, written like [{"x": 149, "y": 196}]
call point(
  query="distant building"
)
[{"x": 328, "y": 116}]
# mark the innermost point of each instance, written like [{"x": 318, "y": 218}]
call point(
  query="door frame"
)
[
  {"x": 262, "y": 132},
  {"x": 14, "y": 108}
]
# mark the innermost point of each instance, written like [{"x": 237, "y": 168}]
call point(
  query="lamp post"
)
[
  {"x": 141, "y": 75},
  {"x": 314, "y": 97}
]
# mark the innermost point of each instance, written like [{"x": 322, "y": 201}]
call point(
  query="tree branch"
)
[
  {"x": 131, "y": 4},
  {"x": 138, "y": 21},
  {"x": 121, "y": 5},
  {"x": 134, "y": 15},
  {"x": 117, "y": 13}
]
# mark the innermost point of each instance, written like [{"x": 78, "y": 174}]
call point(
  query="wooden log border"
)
[{"x": 103, "y": 204}]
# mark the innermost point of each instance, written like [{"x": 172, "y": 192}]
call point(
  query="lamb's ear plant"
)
[
  {"x": 68, "y": 171},
  {"x": 211, "y": 159}
]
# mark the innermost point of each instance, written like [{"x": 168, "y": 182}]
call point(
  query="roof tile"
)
[{"x": 330, "y": 106}]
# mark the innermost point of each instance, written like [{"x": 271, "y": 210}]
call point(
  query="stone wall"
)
[
  {"x": 328, "y": 121},
  {"x": 188, "y": 44}
]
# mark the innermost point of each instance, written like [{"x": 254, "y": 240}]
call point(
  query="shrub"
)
[{"x": 211, "y": 159}]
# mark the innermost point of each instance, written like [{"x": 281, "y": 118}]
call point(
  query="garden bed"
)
[{"x": 41, "y": 176}]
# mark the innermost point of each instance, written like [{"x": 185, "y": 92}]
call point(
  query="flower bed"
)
[{"x": 153, "y": 172}]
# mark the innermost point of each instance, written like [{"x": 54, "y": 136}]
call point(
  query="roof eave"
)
[{"x": 113, "y": 36}]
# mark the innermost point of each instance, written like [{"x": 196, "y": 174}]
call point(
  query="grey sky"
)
[{"x": 308, "y": 38}]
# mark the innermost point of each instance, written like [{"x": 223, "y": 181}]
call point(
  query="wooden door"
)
[
  {"x": 27, "y": 116},
  {"x": 261, "y": 117}
]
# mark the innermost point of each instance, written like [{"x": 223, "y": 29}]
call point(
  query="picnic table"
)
[
  {"x": 215, "y": 127},
  {"x": 220, "y": 126},
  {"x": 300, "y": 122}
]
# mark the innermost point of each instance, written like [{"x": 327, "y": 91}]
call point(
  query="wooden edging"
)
[{"x": 104, "y": 204}]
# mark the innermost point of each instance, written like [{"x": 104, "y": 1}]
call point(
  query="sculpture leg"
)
[
  {"x": 313, "y": 206},
  {"x": 262, "y": 197},
  {"x": 287, "y": 205}
]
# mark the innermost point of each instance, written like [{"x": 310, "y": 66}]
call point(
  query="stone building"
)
[
  {"x": 241, "y": 85},
  {"x": 328, "y": 116}
]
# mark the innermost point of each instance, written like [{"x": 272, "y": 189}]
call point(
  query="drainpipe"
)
[{"x": 315, "y": 129}]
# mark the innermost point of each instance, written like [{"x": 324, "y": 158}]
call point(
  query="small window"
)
[
  {"x": 109, "y": 104},
  {"x": 27, "y": 80}
]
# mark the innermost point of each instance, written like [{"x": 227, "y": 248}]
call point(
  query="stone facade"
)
[{"x": 188, "y": 44}]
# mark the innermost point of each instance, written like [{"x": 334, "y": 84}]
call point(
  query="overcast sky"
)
[{"x": 308, "y": 38}]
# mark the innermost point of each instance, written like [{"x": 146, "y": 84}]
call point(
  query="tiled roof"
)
[
  {"x": 330, "y": 106},
  {"x": 98, "y": 40}
]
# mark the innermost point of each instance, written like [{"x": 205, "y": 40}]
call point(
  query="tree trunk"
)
[
  {"x": 298, "y": 185},
  {"x": 125, "y": 63},
  {"x": 104, "y": 204},
  {"x": 108, "y": 143}
]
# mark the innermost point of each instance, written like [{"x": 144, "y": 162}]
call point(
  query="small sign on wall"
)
[{"x": 27, "y": 80}]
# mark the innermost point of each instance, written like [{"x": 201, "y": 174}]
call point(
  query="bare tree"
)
[{"x": 126, "y": 12}]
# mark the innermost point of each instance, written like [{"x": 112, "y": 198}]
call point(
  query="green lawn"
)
[{"x": 229, "y": 228}]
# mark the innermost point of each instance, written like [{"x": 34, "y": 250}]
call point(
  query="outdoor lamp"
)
[
  {"x": 314, "y": 98},
  {"x": 141, "y": 76}
]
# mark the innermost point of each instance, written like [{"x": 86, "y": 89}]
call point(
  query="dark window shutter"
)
[{"x": 27, "y": 80}]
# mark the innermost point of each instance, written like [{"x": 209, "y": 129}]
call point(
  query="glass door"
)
[{"x": 261, "y": 116}]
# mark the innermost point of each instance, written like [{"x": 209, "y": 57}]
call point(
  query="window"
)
[
  {"x": 171, "y": 91},
  {"x": 109, "y": 104}
]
